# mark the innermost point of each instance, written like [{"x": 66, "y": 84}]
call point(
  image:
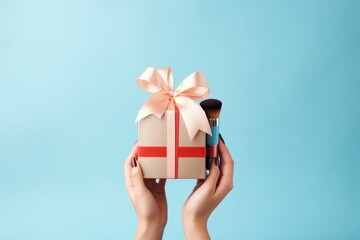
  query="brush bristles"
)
[{"x": 212, "y": 107}]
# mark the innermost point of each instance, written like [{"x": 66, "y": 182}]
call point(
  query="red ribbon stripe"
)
[{"x": 185, "y": 152}]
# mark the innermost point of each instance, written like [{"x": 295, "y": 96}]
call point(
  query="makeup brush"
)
[{"x": 212, "y": 108}]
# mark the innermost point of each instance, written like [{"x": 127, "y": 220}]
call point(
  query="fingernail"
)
[
  {"x": 217, "y": 161},
  {"x": 221, "y": 138},
  {"x": 133, "y": 162}
]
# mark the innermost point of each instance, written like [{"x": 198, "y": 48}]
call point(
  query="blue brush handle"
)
[
  {"x": 211, "y": 144},
  {"x": 214, "y": 139}
]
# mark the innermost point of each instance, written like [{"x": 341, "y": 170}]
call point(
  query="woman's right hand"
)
[{"x": 207, "y": 195}]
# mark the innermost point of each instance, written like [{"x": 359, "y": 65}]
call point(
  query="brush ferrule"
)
[{"x": 214, "y": 122}]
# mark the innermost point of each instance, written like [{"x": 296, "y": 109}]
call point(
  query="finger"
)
[
  {"x": 212, "y": 178},
  {"x": 127, "y": 174},
  {"x": 225, "y": 184},
  {"x": 128, "y": 167},
  {"x": 226, "y": 161},
  {"x": 138, "y": 178}
]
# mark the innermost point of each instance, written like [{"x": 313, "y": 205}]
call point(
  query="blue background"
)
[{"x": 287, "y": 72}]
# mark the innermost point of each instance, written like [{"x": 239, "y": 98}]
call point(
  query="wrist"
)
[
  {"x": 150, "y": 229},
  {"x": 195, "y": 228}
]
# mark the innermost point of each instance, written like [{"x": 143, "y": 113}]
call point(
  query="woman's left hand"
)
[{"x": 148, "y": 198}]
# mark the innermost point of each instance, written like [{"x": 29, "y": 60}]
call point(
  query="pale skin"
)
[{"x": 149, "y": 199}]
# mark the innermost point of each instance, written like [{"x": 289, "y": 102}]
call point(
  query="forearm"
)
[
  {"x": 195, "y": 229},
  {"x": 149, "y": 231}
]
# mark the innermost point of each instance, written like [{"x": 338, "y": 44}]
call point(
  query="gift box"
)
[{"x": 172, "y": 127}]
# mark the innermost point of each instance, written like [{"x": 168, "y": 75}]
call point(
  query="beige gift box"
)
[{"x": 163, "y": 153}]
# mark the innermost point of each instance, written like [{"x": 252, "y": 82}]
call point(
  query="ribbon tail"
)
[{"x": 194, "y": 116}]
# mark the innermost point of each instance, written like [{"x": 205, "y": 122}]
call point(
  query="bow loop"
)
[
  {"x": 159, "y": 82},
  {"x": 154, "y": 81},
  {"x": 194, "y": 86}
]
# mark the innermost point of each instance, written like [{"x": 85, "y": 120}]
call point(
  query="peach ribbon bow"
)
[{"x": 159, "y": 82}]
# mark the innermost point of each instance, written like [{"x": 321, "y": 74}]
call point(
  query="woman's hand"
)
[
  {"x": 207, "y": 195},
  {"x": 148, "y": 198}
]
